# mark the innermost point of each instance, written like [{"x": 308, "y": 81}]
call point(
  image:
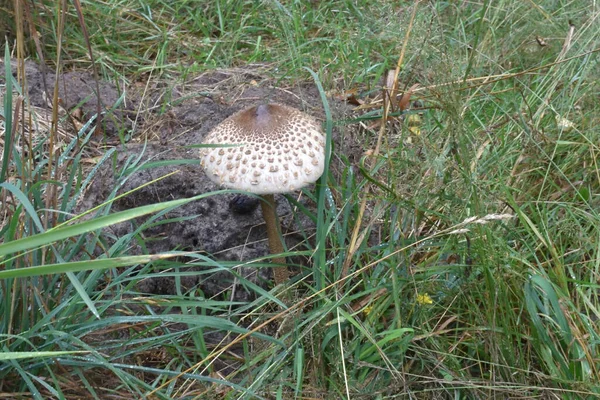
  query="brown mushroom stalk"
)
[
  {"x": 269, "y": 149},
  {"x": 267, "y": 202}
]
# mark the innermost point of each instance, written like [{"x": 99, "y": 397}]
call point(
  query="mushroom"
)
[{"x": 266, "y": 149}]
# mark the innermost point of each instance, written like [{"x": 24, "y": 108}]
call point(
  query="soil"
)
[
  {"x": 158, "y": 120},
  {"x": 77, "y": 94}
]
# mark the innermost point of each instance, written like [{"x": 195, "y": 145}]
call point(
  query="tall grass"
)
[{"x": 472, "y": 270}]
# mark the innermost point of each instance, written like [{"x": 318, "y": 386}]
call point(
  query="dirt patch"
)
[
  {"x": 77, "y": 95},
  {"x": 170, "y": 118}
]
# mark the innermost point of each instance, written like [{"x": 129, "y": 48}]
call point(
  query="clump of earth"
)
[{"x": 157, "y": 121}]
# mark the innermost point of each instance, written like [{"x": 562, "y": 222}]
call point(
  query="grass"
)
[{"x": 473, "y": 272}]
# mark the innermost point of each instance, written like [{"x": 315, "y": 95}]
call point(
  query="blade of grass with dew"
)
[
  {"x": 56, "y": 234},
  {"x": 26, "y": 379},
  {"x": 79, "y": 289},
  {"x": 88, "y": 265},
  {"x": 18, "y": 355}
]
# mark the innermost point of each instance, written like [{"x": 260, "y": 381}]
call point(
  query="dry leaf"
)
[
  {"x": 540, "y": 40},
  {"x": 389, "y": 91},
  {"x": 77, "y": 113},
  {"x": 349, "y": 96},
  {"x": 405, "y": 99}
]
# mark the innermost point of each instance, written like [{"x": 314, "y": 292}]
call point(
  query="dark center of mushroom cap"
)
[
  {"x": 263, "y": 113},
  {"x": 265, "y": 119}
]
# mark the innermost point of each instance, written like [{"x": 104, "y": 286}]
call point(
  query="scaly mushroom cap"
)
[{"x": 274, "y": 149}]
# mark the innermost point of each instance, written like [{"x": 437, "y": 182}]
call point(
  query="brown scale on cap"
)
[{"x": 276, "y": 149}]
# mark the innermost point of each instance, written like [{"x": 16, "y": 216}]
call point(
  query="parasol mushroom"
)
[{"x": 265, "y": 150}]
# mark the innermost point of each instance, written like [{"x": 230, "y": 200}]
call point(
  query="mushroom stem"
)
[{"x": 267, "y": 203}]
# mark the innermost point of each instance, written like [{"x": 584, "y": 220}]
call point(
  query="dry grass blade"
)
[
  {"x": 568, "y": 42},
  {"x": 86, "y": 36},
  {"x": 51, "y": 201},
  {"x": 34, "y": 34}
]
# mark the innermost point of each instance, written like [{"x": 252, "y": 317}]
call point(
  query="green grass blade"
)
[
  {"x": 64, "y": 232},
  {"x": 88, "y": 265},
  {"x": 7, "y": 115},
  {"x": 18, "y": 355},
  {"x": 322, "y": 219}
]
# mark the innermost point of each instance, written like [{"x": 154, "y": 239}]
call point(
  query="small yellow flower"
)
[
  {"x": 414, "y": 123},
  {"x": 413, "y": 120},
  {"x": 424, "y": 299}
]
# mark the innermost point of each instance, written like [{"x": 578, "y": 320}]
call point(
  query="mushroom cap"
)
[{"x": 271, "y": 149}]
